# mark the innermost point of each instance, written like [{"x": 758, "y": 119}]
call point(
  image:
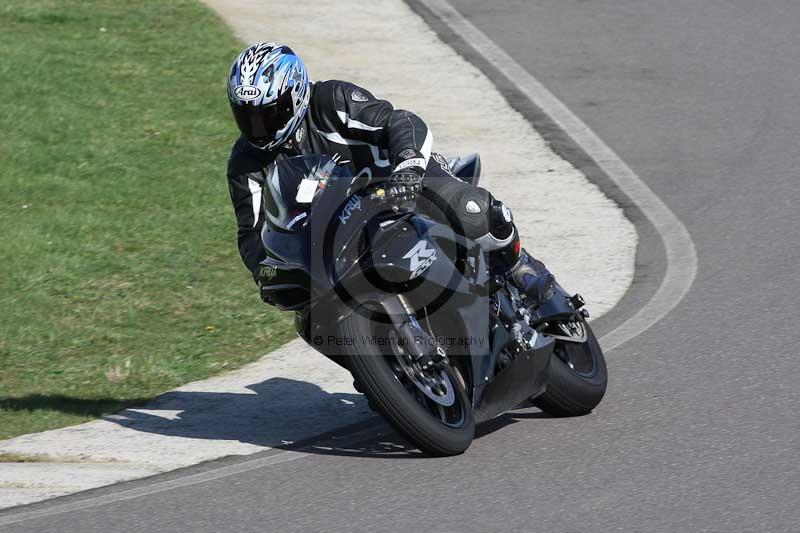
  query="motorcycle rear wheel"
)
[
  {"x": 577, "y": 378},
  {"x": 407, "y": 401}
]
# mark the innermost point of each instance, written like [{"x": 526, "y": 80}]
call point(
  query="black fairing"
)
[
  {"x": 334, "y": 243},
  {"x": 286, "y": 275},
  {"x": 339, "y": 244}
]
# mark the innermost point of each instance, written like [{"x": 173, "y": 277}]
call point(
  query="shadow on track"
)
[
  {"x": 273, "y": 413},
  {"x": 282, "y": 413},
  {"x": 390, "y": 445}
]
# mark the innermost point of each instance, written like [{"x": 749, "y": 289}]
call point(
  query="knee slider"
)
[
  {"x": 496, "y": 230},
  {"x": 474, "y": 212},
  {"x": 499, "y": 230}
]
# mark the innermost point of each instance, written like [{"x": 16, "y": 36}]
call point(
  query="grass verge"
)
[{"x": 120, "y": 275}]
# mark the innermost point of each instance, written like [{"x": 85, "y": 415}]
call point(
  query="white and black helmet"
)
[{"x": 268, "y": 90}]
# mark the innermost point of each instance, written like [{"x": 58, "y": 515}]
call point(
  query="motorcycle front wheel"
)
[
  {"x": 577, "y": 377},
  {"x": 430, "y": 408}
]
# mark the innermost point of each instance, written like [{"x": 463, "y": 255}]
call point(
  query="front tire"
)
[
  {"x": 398, "y": 399},
  {"x": 577, "y": 378}
]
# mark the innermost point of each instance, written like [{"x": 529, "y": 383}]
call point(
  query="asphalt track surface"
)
[{"x": 699, "y": 429}]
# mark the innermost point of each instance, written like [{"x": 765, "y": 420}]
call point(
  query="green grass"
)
[{"x": 119, "y": 274}]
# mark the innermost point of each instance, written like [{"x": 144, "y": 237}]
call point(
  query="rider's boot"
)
[
  {"x": 532, "y": 277},
  {"x": 508, "y": 259}
]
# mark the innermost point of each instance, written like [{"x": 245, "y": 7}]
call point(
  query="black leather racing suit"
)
[{"x": 348, "y": 122}]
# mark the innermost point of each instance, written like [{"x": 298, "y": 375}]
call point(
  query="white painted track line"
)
[
  {"x": 680, "y": 250},
  {"x": 245, "y": 465}
]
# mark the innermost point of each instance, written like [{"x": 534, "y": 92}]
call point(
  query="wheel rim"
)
[
  {"x": 435, "y": 384},
  {"x": 434, "y": 389}
]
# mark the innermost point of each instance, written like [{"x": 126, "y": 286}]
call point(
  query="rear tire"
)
[
  {"x": 574, "y": 391},
  {"x": 393, "y": 400}
]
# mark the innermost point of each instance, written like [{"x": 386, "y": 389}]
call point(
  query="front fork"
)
[{"x": 418, "y": 343}]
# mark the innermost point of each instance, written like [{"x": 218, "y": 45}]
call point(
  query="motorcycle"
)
[{"x": 433, "y": 338}]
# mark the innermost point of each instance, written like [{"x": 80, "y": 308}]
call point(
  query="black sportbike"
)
[{"x": 435, "y": 341}]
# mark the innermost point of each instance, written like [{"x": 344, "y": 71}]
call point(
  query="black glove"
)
[{"x": 403, "y": 185}]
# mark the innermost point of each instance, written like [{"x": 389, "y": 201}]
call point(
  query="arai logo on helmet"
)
[{"x": 246, "y": 92}]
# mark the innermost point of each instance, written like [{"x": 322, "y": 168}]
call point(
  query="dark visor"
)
[{"x": 260, "y": 123}]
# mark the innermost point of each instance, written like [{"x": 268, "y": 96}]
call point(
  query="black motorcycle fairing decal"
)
[{"x": 385, "y": 268}]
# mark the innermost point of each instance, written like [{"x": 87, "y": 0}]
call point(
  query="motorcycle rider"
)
[{"x": 280, "y": 113}]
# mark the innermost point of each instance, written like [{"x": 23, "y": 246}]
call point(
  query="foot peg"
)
[{"x": 577, "y": 301}]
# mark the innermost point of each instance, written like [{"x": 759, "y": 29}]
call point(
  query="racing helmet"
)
[{"x": 269, "y": 91}]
